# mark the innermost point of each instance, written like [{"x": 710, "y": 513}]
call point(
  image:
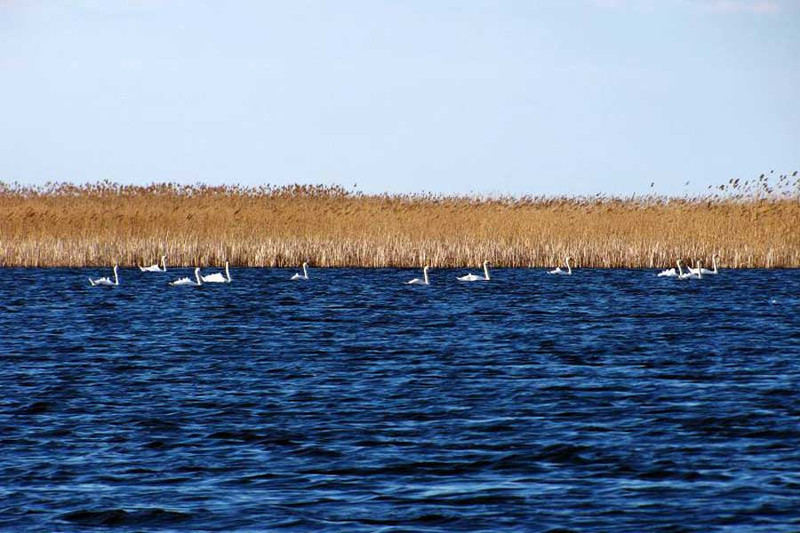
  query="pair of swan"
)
[
  {"x": 473, "y": 277},
  {"x": 105, "y": 282},
  {"x": 701, "y": 270},
  {"x": 689, "y": 275},
  {"x": 156, "y": 268},
  {"x": 680, "y": 274},
  {"x": 558, "y": 272},
  {"x": 216, "y": 277},
  {"x": 469, "y": 277}
]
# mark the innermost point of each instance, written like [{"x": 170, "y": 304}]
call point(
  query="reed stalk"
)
[{"x": 100, "y": 224}]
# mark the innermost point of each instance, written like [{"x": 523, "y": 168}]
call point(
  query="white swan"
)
[
  {"x": 670, "y": 273},
  {"x": 681, "y": 274},
  {"x": 218, "y": 277},
  {"x": 558, "y": 271},
  {"x": 105, "y": 281},
  {"x": 156, "y": 268},
  {"x": 304, "y": 275},
  {"x": 187, "y": 281},
  {"x": 714, "y": 264},
  {"x": 417, "y": 281},
  {"x": 473, "y": 277},
  {"x": 698, "y": 272}
]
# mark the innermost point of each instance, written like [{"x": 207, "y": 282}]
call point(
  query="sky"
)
[{"x": 556, "y": 97}]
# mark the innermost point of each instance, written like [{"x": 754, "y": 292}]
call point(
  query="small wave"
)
[
  {"x": 251, "y": 437},
  {"x": 564, "y": 453},
  {"x": 36, "y": 408},
  {"x": 120, "y": 517}
]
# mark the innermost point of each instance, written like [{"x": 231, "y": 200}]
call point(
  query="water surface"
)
[{"x": 609, "y": 401}]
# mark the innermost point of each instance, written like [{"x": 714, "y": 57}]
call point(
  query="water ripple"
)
[{"x": 609, "y": 401}]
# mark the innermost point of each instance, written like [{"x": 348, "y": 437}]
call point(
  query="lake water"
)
[{"x": 608, "y": 401}]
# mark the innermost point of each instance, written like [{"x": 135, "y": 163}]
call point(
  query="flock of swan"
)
[
  {"x": 691, "y": 273},
  {"x": 219, "y": 277},
  {"x": 216, "y": 277}
]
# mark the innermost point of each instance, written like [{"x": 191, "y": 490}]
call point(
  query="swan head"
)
[
  {"x": 425, "y": 269},
  {"x": 197, "y": 270},
  {"x": 305, "y": 264},
  {"x": 486, "y": 263}
]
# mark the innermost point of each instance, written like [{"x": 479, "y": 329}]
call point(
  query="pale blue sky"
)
[{"x": 516, "y": 96}]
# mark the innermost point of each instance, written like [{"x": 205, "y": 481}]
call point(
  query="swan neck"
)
[
  {"x": 197, "y": 276},
  {"x": 425, "y": 274},
  {"x": 486, "y": 271},
  {"x": 569, "y": 268},
  {"x": 305, "y": 270},
  {"x": 116, "y": 277},
  {"x": 227, "y": 272}
]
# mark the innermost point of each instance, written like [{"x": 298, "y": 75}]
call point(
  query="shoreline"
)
[
  {"x": 177, "y": 268},
  {"x": 103, "y": 255}
]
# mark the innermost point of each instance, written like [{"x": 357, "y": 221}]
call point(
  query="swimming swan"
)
[
  {"x": 304, "y": 275},
  {"x": 699, "y": 271},
  {"x": 714, "y": 264},
  {"x": 218, "y": 277},
  {"x": 156, "y": 268},
  {"x": 105, "y": 281},
  {"x": 558, "y": 271},
  {"x": 473, "y": 277},
  {"x": 670, "y": 273},
  {"x": 417, "y": 281},
  {"x": 681, "y": 274},
  {"x": 187, "y": 281}
]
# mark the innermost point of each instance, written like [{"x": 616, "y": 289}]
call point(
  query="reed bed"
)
[{"x": 749, "y": 224}]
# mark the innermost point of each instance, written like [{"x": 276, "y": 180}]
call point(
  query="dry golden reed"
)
[{"x": 748, "y": 224}]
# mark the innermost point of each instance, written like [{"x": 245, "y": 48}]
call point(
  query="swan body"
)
[
  {"x": 304, "y": 275},
  {"x": 671, "y": 273},
  {"x": 187, "y": 281},
  {"x": 417, "y": 281},
  {"x": 682, "y": 274},
  {"x": 218, "y": 277},
  {"x": 714, "y": 264},
  {"x": 473, "y": 277},
  {"x": 156, "y": 268},
  {"x": 105, "y": 282},
  {"x": 558, "y": 272}
]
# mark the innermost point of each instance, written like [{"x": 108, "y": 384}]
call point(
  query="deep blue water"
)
[{"x": 605, "y": 401}]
